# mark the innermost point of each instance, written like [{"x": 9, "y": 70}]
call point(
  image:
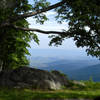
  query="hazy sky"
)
[{"x": 51, "y": 24}]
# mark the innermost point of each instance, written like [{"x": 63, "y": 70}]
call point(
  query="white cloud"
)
[{"x": 49, "y": 13}]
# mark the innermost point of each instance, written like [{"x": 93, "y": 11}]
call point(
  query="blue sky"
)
[{"x": 52, "y": 1}]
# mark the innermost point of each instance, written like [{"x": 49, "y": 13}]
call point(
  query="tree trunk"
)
[
  {"x": 4, "y": 66},
  {"x": 1, "y": 65}
]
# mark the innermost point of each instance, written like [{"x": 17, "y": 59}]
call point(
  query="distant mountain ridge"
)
[
  {"x": 60, "y": 53},
  {"x": 76, "y": 64},
  {"x": 86, "y": 73},
  {"x": 75, "y": 69}
]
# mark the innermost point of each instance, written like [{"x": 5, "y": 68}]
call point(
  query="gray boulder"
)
[{"x": 25, "y": 77}]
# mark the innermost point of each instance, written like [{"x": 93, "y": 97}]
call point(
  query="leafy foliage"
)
[
  {"x": 14, "y": 43},
  {"x": 40, "y": 4},
  {"x": 83, "y": 17}
]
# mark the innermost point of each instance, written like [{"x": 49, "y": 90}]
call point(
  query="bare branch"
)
[
  {"x": 38, "y": 30},
  {"x": 38, "y": 11}
]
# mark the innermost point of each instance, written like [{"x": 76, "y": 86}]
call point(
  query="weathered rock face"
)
[{"x": 35, "y": 78}]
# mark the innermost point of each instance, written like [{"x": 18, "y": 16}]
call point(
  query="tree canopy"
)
[{"x": 82, "y": 16}]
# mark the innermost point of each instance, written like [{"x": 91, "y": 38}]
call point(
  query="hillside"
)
[
  {"x": 86, "y": 73},
  {"x": 75, "y": 69},
  {"x": 40, "y": 61}
]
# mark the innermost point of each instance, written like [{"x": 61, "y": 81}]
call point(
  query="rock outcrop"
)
[{"x": 25, "y": 77}]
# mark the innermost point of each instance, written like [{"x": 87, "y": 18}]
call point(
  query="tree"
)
[
  {"x": 14, "y": 43},
  {"x": 83, "y": 17}
]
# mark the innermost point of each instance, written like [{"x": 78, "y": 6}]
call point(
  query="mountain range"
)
[{"x": 75, "y": 67}]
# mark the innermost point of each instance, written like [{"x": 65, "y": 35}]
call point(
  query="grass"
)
[
  {"x": 25, "y": 94},
  {"x": 91, "y": 91}
]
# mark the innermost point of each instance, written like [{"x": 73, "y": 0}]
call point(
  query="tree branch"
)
[
  {"x": 38, "y": 30},
  {"x": 39, "y": 11}
]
